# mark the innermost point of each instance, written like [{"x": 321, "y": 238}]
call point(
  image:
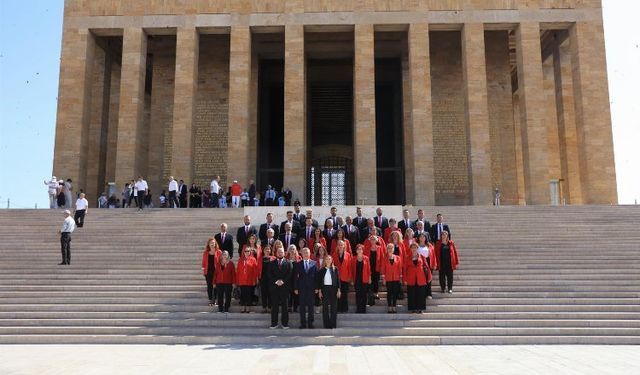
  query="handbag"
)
[
  {"x": 235, "y": 294},
  {"x": 257, "y": 291}
]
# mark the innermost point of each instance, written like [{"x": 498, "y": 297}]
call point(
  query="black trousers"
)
[
  {"x": 78, "y": 217},
  {"x": 294, "y": 301},
  {"x": 428, "y": 289},
  {"x": 375, "y": 276},
  {"x": 65, "y": 247},
  {"x": 265, "y": 296},
  {"x": 209, "y": 278},
  {"x": 343, "y": 302},
  {"x": 416, "y": 298},
  {"x": 246, "y": 295},
  {"x": 279, "y": 302},
  {"x": 140, "y": 200},
  {"x": 224, "y": 296},
  {"x": 329, "y": 306},
  {"x": 132, "y": 199},
  {"x": 361, "y": 297},
  {"x": 306, "y": 314},
  {"x": 214, "y": 200},
  {"x": 173, "y": 199},
  {"x": 393, "y": 288},
  {"x": 446, "y": 275}
]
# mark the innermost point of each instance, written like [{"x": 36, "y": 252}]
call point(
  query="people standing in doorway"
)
[{"x": 68, "y": 226}]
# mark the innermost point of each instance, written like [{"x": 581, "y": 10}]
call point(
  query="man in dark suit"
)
[
  {"x": 421, "y": 217},
  {"x": 245, "y": 231},
  {"x": 262, "y": 234},
  {"x": 307, "y": 230},
  {"x": 370, "y": 229},
  {"x": 280, "y": 273},
  {"x": 304, "y": 217},
  {"x": 182, "y": 190},
  {"x": 405, "y": 222},
  {"x": 297, "y": 215},
  {"x": 288, "y": 237},
  {"x": 295, "y": 226},
  {"x": 380, "y": 221},
  {"x": 351, "y": 232},
  {"x": 421, "y": 229},
  {"x": 333, "y": 215},
  {"x": 304, "y": 286},
  {"x": 225, "y": 240},
  {"x": 328, "y": 232},
  {"x": 359, "y": 220},
  {"x": 438, "y": 228}
]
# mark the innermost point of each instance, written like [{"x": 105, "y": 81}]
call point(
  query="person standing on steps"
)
[
  {"x": 280, "y": 274},
  {"x": 391, "y": 271},
  {"x": 416, "y": 276},
  {"x": 247, "y": 276},
  {"x": 52, "y": 189},
  {"x": 361, "y": 272},
  {"x": 142, "y": 187},
  {"x": 447, "y": 261},
  {"x": 328, "y": 284},
  {"x": 224, "y": 276},
  {"x": 210, "y": 257},
  {"x": 304, "y": 281},
  {"x": 68, "y": 226},
  {"x": 82, "y": 208}
]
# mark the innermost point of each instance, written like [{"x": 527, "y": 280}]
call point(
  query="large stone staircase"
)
[{"x": 528, "y": 275}]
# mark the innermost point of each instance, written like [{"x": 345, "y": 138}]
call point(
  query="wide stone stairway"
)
[{"x": 528, "y": 275}]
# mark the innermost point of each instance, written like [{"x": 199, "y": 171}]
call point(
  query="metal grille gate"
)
[{"x": 331, "y": 182}]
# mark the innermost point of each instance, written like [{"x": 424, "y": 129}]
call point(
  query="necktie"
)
[
  {"x": 280, "y": 263},
  {"x": 439, "y": 230},
  {"x": 287, "y": 239},
  {"x": 222, "y": 237},
  {"x": 306, "y": 266},
  {"x": 246, "y": 229}
]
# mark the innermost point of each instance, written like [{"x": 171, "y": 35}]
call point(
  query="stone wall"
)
[{"x": 449, "y": 128}]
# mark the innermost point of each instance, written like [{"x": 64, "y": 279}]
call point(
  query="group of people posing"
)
[{"x": 297, "y": 264}]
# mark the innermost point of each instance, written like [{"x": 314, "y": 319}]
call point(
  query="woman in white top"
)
[{"x": 329, "y": 291}]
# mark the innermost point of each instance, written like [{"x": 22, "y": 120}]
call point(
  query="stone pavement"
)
[{"x": 335, "y": 360}]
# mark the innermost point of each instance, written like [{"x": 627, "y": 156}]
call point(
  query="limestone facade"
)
[{"x": 502, "y": 94}]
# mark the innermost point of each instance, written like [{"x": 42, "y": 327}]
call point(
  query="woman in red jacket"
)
[
  {"x": 425, "y": 248},
  {"x": 361, "y": 278},
  {"x": 210, "y": 255},
  {"x": 318, "y": 238},
  {"x": 339, "y": 236},
  {"x": 415, "y": 278},
  {"x": 252, "y": 243},
  {"x": 225, "y": 277},
  {"x": 408, "y": 238},
  {"x": 395, "y": 238},
  {"x": 447, "y": 259},
  {"x": 391, "y": 270},
  {"x": 246, "y": 277},
  {"x": 343, "y": 262},
  {"x": 375, "y": 249}
]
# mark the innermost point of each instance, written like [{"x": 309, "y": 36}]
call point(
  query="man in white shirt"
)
[
  {"x": 68, "y": 226},
  {"x": 52, "y": 189},
  {"x": 215, "y": 190},
  {"x": 173, "y": 193},
  {"x": 142, "y": 187},
  {"x": 82, "y": 208}
]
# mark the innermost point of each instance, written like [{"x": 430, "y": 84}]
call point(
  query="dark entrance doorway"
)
[
  {"x": 270, "y": 163},
  {"x": 330, "y": 131}
]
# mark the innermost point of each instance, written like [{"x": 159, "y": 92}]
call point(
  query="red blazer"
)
[
  {"x": 247, "y": 271},
  {"x": 258, "y": 257},
  {"x": 205, "y": 259},
  {"x": 366, "y": 269},
  {"x": 298, "y": 257},
  {"x": 226, "y": 276},
  {"x": 387, "y": 233},
  {"x": 452, "y": 250},
  {"x": 391, "y": 272},
  {"x": 334, "y": 246},
  {"x": 380, "y": 249},
  {"x": 414, "y": 274},
  {"x": 403, "y": 250},
  {"x": 407, "y": 245},
  {"x": 321, "y": 240},
  {"x": 236, "y": 189},
  {"x": 344, "y": 267}
]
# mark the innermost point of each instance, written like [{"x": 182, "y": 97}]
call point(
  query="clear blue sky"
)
[{"x": 30, "y": 38}]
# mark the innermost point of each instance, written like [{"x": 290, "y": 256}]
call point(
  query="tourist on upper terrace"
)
[
  {"x": 82, "y": 208},
  {"x": 194, "y": 196},
  {"x": 215, "y": 191},
  {"x": 236, "y": 190},
  {"x": 52, "y": 190},
  {"x": 447, "y": 261},
  {"x": 269, "y": 196},
  {"x": 141, "y": 188},
  {"x": 67, "y": 189},
  {"x": 244, "y": 198},
  {"x": 173, "y": 193},
  {"x": 182, "y": 193}
]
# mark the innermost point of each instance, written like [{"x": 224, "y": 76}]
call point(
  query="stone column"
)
[
  {"x": 364, "y": 100},
  {"x": 572, "y": 188},
  {"x": 532, "y": 114},
  {"x": 419, "y": 176},
  {"x": 553, "y": 137},
  {"x": 74, "y": 106},
  {"x": 185, "y": 88},
  {"x": 131, "y": 111},
  {"x": 295, "y": 139},
  {"x": 239, "y": 89},
  {"x": 593, "y": 116},
  {"x": 477, "y": 113}
]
